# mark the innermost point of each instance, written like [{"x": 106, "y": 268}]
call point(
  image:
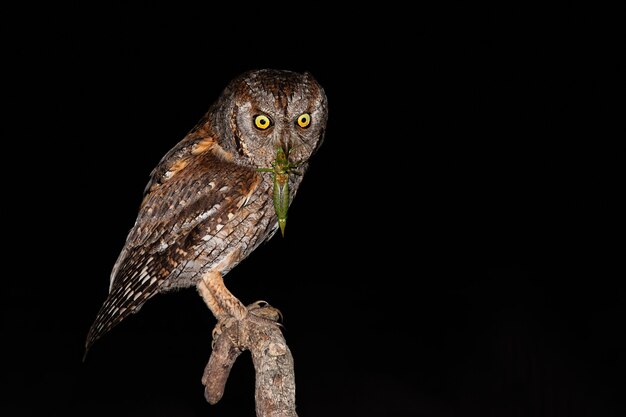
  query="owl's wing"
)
[{"x": 191, "y": 194}]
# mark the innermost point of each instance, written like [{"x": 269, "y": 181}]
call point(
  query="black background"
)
[{"x": 456, "y": 248}]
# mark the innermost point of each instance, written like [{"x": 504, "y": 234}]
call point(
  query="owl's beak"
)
[{"x": 285, "y": 146}]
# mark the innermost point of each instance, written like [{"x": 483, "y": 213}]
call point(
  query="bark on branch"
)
[{"x": 259, "y": 332}]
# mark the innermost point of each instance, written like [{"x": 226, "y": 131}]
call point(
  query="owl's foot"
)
[
  {"x": 263, "y": 310},
  {"x": 259, "y": 310},
  {"x": 219, "y": 329}
]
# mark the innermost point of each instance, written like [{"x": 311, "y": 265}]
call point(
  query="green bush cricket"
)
[{"x": 281, "y": 168}]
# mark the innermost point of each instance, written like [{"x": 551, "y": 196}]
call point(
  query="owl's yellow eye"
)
[
  {"x": 304, "y": 120},
  {"x": 262, "y": 121}
]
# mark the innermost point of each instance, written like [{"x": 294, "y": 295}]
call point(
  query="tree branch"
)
[{"x": 259, "y": 332}]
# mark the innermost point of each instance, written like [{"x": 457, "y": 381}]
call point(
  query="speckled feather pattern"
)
[{"x": 206, "y": 206}]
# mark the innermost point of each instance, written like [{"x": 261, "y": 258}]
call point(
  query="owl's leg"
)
[
  {"x": 221, "y": 302},
  {"x": 226, "y": 307}
]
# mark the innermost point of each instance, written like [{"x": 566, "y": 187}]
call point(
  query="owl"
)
[{"x": 218, "y": 194}]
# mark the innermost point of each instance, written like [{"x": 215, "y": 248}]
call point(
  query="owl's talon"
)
[
  {"x": 260, "y": 309},
  {"x": 219, "y": 329},
  {"x": 257, "y": 304},
  {"x": 264, "y": 310}
]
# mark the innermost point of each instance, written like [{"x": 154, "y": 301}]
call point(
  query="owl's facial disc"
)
[
  {"x": 297, "y": 129},
  {"x": 277, "y": 109}
]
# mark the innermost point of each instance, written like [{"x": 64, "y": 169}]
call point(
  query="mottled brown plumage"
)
[{"x": 206, "y": 206}]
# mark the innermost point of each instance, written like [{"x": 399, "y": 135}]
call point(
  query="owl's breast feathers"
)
[{"x": 190, "y": 221}]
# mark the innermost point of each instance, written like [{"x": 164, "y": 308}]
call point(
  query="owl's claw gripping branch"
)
[
  {"x": 262, "y": 309},
  {"x": 227, "y": 309}
]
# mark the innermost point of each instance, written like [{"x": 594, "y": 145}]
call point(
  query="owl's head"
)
[{"x": 263, "y": 110}]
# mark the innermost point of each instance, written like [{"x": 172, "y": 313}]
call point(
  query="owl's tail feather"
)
[{"x": 119, "y": 304}]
